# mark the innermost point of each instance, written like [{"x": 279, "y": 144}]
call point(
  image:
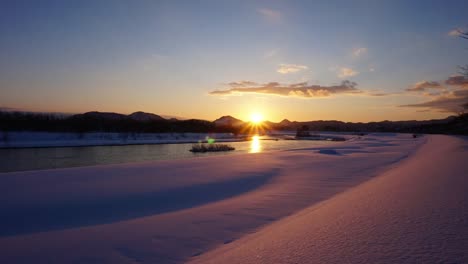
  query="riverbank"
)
[{"x": 55, "y": 139}]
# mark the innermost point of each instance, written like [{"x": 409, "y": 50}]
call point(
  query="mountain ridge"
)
[{"x": 148, "y": 122}]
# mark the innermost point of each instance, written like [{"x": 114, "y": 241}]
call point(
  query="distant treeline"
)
[
  {"x": 455, "y": 125},
  {"x": 108, "y": 122},
  {"x": 149, "y": 123}
]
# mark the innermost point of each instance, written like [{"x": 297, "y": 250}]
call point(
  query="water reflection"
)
[
  {"x": 50, "y": 158},
  {"x": 255, "y": 145}
]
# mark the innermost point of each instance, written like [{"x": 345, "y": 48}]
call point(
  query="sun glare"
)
[
  {"x": 256, "y": 118},
  {"x": 255, "y": 146}
]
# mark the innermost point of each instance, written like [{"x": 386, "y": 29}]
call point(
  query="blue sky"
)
[{"x": 167, "y": 57}]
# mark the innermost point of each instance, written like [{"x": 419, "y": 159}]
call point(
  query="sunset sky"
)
[{"x": 301, "y": 60}]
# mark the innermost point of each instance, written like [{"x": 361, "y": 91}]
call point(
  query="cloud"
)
[
  {"x": 242, "y": 84},
  {"x": 423, "y": 85},
  {"x": 454, "y": 32},
  {"x": 271, "y": 15},
  {"x": 380, "y": 94},
  {"x": 458, "y": 32},
  {"x": 453, "y": 102},
  {"x": 302, "y": 89},
  {"x": 447, "y": 100},
  {"x": 289, "y": 68},
  {"x": 359, "y": 51},
  {"x": 347, "y": 72},
  {"x": 457, "y": 80}
]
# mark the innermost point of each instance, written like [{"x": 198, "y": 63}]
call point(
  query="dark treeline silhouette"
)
[
  {"x": 102, "y": 122},
  {"x": 457, "y": 125},
  {"x": 149, "y": 123}
]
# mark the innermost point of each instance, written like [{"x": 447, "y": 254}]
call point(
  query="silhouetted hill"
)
[
  {"x": 145, "y": 117},
  {"x": 285, "y": 122},
  {"x": 228, "y": 121},
  {"x": 101, "y": 115},
  {"x": 269, "y": 124}
]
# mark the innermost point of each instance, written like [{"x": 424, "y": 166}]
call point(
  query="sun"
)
[{"x": 256, "y": 118}]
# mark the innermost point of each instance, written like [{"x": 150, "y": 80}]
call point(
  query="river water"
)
[{"x": 64, "y": 157}]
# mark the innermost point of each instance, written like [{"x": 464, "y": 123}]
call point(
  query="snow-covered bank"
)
[
  {"x": 147, "y": 212},
  {"x": 55, "y": 139},
  {"x": 415, "y": 213}
]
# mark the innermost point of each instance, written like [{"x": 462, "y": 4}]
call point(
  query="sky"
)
[{"x": 300, "y": 60}]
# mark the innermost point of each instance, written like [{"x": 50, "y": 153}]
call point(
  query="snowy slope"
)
[{"x": 416, "y": 213}]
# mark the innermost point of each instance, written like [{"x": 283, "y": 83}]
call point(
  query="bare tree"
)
[{"x": 463, "y": 69}]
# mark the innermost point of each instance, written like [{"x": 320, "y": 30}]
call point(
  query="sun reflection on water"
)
[{"x": 255, "y": 145}]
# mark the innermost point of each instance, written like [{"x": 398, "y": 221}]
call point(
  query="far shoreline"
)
[{"x": 99, "y": 142}]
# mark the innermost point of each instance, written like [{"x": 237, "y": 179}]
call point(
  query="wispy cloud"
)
[
  {"x": 242, "y": 84},
  {"x": 290, "y": 68},
  {"x": 458, "y": 32},
  {"x": 270, "y": 14},
  {"x": 380, "y": 94},
  {"x": 423, "y": 85},
  {"x": 296, "y": 89},
  {"x": 457, "y": 80},
  {"x": 359, "y": 52},
  {"x": 454, "y": 33},
  {"x": 347, "y": 72}
]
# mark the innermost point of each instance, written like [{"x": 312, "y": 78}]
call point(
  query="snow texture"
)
[{"x": 415, "y": 213}]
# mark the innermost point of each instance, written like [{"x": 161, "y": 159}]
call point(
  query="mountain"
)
[
  {"x": 142, "y": 122},
  {"x": 268, "y": 124},
  {"x": 285, "y": 122},
  {"x": 228, "y": 121},
  {"x": 145, "y": 117},
  {"x": 109, "y": 116},
  {"x": 101, "y": 115}
]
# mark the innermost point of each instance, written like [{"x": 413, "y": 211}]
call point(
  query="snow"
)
[
  {"x": 377, "y": 198},
  {"x": 30, "y": 139},
  {"x": 415, "y": 213},
  {"x": 27, "y": 139}
]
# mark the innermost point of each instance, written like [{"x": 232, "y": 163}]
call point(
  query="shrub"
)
[{"x": 211, "y": 147}]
